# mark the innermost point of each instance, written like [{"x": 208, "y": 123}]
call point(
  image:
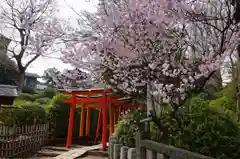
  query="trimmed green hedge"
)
[
  {"x": 25, "y": 114},
  {"x": 28, "y": 90},
  {"x": 26, "y": 97},
  {"x": 47, "y": 92},
  {"x": 43, "y": 101}
]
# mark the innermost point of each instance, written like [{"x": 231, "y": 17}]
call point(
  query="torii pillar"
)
[
  {"x": 71, "y": 120},
  {"x": 104, "y": 122}
]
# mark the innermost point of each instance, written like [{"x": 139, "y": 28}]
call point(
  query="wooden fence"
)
[{"x": 22, "y": 142}]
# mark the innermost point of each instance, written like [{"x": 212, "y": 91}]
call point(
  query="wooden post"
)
[
  {"x": 119, "y": 112},
  {"x": 104, "y": 128},
  {"x": 71, "y": 120},
  {"x": 111, "y": 122},
  {"x": 114, "y": 116},
  {"x": 98, "y": 123},
  {"x": 82, "y": 122},
  {"x": 104, "y": 123},
  {"x": 88, "y": 122}
]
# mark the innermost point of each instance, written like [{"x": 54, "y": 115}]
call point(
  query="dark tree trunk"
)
[
  {"x": 236, "y": 16},
  {"x": 215, "y": 82},
  {"x": 21, "y": 80}
]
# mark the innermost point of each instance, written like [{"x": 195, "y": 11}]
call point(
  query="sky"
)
[{"x": 65, "y": 12}]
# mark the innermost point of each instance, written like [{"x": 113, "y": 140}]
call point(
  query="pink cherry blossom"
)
[{"x": 175, "y": 46}]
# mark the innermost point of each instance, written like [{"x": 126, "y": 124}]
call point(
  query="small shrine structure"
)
[{"x": 110, "y": 105}]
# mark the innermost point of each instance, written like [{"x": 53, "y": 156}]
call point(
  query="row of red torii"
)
[{"x": 105, "y": 100}]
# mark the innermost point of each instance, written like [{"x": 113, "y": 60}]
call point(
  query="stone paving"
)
[
  {"x": 77, "y": 152},
  {"x": 93, "y": 157},
  {"x": 87, "y": 157}
]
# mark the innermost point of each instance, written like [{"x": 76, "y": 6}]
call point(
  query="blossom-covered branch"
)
[{"x": 174, "y": 45}]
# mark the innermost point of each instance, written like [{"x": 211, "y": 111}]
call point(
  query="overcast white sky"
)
[{"x": 42, "y": 64}]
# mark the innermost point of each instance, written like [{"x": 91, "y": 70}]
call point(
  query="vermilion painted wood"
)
[
  {"x": 89, "y": 92},
  {"x": 102, "y": 103},
  {"x": 82, "y": 122},
  {"x": 99, "y": 123},
  {"x": 91, "y": 100},
  {"x": 88, "y": 106},
  {"x": 111, "y": 120},
  {"x": 104, "y": 126},
  {"x": 70, "y": 122},
  {"x": 88, "y": 122}
]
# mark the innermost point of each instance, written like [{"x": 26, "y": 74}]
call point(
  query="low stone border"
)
[
  {"x": 118, "y": 151},
  {"x": 149, "y": 149}
]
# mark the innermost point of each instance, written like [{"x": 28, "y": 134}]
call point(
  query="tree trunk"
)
[
  {"x": 214, "y": 84},
  {"x": 21, "y": 80}
]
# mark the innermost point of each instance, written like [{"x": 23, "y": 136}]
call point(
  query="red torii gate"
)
[{"x": 102, "y": 100}]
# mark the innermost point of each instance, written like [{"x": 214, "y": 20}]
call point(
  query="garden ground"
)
[
  {"x": 59, "y": 152},
  {"x": 86, "y": 157}
]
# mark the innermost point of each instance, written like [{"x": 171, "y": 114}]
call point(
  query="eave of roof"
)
[
  {"x": 8, "y": 90},
  {"x": 32, "y": 75}
]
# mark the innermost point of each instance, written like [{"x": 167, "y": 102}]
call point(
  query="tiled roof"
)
[
  {"x": 8, "y": 90},
  {"x": 32, "y": 75}
]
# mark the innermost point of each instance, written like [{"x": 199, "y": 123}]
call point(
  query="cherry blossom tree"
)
[
  {"x": 34, "y": 29},
  {"x": 171, "y": 46},
  {"x": 70, "y": 79}
]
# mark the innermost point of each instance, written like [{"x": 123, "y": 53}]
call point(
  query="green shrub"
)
[
  {"x": 125, "y": 132},
  {"x": 224, "y": 105},
  {"x": 43, "y": 101},
  {"x": 47, "y": 92},
  {"x": 20, "y": 101},
  {"x": 25, "y": 114},
  {"x": 28, "y": 90},
  {"x": 56, "y": 102},
  {"x": 207, "y": 127},
  {"x": 207, "y": 131},
  {"x": 126, "y": 127},
  {"x": 26, "y": 97},
  {"x": 35, "y": 113},
  {"x": 58, "y": 115},
  {"x": 13, "y": 116},
  {"x": 9, "y": 73}
]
